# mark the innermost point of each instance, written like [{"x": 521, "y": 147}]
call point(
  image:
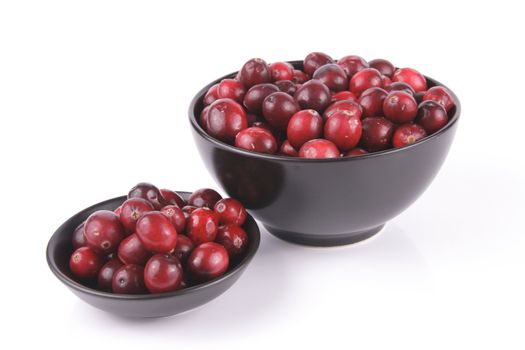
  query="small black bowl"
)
[
  {"x": 60, "y": 248},
  {"x": 324, "y": 202}
]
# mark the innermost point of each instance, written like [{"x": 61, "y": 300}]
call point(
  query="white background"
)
[{"x": 93, "y": 99}]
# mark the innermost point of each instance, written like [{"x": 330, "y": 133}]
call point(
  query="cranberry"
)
[
  {"x": 288, "y": 150},
  {"x": 365, "y": 79},
  {"x": 230, "y": 211},
  {"x": 85, "y": 263},
  {"x": 315, "y": 60},
  {"x": 352, "y": 64},
  {"x": 148, "y": 192},
  {"x": 383, "y": 66},
  {"x": 203, "y": 117},
  {"x": 202, "y": 225},
  {"x": 225, "y": 119},
  {"x": 231, "y": 88},
  {"x": 412, "y": 77},
  {"x": 163, "y": 273},
  {"x": 407, "y": 134},
  {"x": 343, "y": 129},
  {"x": 256, "y": 140},
  {"x": 356, "y": 152},
  {"x": 78, "y": 240},
  {"x": 431, "y": 116},
  {"x": 343, "y": 95},
  {"x": 286, "y": 86},
  {"x": 377, "y": 134},
  {"x": 254, "y": 98},
  {"x": 313, "y": 95},
  {"x": 400, "y": 86},
  {"x": 176, "y": 216},
  {"x": 299, "y": 77},
  {"x": 105, "y": 275},
  {"x": 208, "y": 261},
  {"x": 386, "y": 81},
  {"x": 255, "y": 71},
  {"x": 281, "y": 71},
  {"x": 353, "y": 108},
  {"x": 156, "y": 232},
  {"x": 132, "y": 251},
  {"x": 129, "y": 279},
  {"x": 333, "y": 76},
  {"x": 319, "y": 148},
  {"x": 103, "y": 231},
  {"x": 132, "y": 210},
  {"x": 278, "y": 108},
  {"x": 304, "y": 126},
  {"x": 441, "y": 96},
  {"x": 183, "y": 248},
  {"x": 172, "y": 198},
  {"x": 211, "y": 95},
  {"x": 371, "y": 101},
  {"x": 233, "y": 238},
  {"x": 204, "y": 197},
  {"x": 400, "y": 107}
]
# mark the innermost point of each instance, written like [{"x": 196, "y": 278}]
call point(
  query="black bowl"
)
[
  {"x": 324, "y": 202},
  {"x": 60, "y": 248}
]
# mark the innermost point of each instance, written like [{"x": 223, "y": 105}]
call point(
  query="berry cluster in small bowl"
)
[
  {"x": 157, "y": 242},
  {"x": 329, "y": 109}
]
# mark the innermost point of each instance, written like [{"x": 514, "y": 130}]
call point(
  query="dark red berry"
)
[
  {"x": 333, "y": 76},
  {"x": 231, "y": 88},
  {"x": 352, "y": 64},
  {"x": 281, "y": 71},
  {"x": 204, "y": 197},
  {"x": 225, "y": 119},
  {"x": 365, "y": 79},
  {"x": 313, "y": 95},
  {"x": 304, "y": 126},
  {"x": 233, "y": 238},
  {"x": 412, "y": 77},
  {"x": 176, "y": 216},
  {"x": 343, "y": 95},
  {"x": 377, "y": 134},
  {"x": 254, "y": 98},
  {"x": 163, "y": 273},
  {"x": 286, "y": 86},
  {"x": 156, "y": 232},
  {"x": 399, "y": 107},
  {"x": 383, "y": 66},
  {"x": 431, "y": 116},
  {"x": 78, "y": 240},
  {"x": 371, "y": 101},
  {"x": 172, "y": 197},
  {"x": 148, "y": 192},
  {"x": 230, "y": 211},
  {"x": 103, "y": 232},
  {"x": 211, "y": 95},
  {"x": 129, "y": 279},
  {"x": 202, "y": 225},
  {"x": 255, "y": 71},
  {"x": 132, "y": 210},
  {"x": 183, "y": 248},
  {"x": 440, "y": 95},
  {"x": 132, "y": 251},
  {"x": 203, "y": 117},
  {"x": 355, "y": 152},
  {"x": 315, "y": 60},
  {"x": 105, "y": 275},
  {"x": 287, "y": 149},
  {"x": 299, "y": 77},
  {"x": 352, "y": 107},
  {"x": 343, "y": 129},
  {"x": 400, "y": 86},
  {"x": 407, "y": 134},
  {"x": 386, "y": 81},
  {"x": 278, "y": 108},
  {"x": 256, "y": 140},
  {"x": 85, "y": 263},
  {"x": 319, "y": 148},
  {"x": 207, "y": 261}
]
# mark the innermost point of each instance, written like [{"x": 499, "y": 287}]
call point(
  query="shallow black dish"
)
[
  {"x": 59, "y": 250},
  {"x": 324, "y": 202}
]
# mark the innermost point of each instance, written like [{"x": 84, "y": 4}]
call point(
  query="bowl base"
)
[{"x": 321, "y": 240}]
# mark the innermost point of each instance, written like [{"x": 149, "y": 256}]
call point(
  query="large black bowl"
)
[
  {"x": 59, "y": 250},
  {"x": 324, "y": 202}
]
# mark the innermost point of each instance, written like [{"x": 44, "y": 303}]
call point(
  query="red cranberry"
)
[
  {"x": 352, "y": 64},
  {"x": 163, "y": 273},
  {"x": 103, "y": 231},
  {"x": 281, "y": 71},
  {"x": 355, "y": 152},
  {"x": 288, "y": 150},
  {"x": 400, "y": 86},
  {"x": 441, "y": 96},
  {"x": 231, "y": 88},
  {"x": 176, "y": 216},
  {"x": 412, "y": 77},
  {"x": 132, "y": 210},
  {"x": 400, "y": 107},
  {"x": 286, "y": 86},
  {"x": 343, "y": 95},
  {"x": 371, "y": 101},
  {"x": 172, "y": 198},
  {"x": 254, "y": 98},
  {"x": 278, "y": 108},
  {"x": 377, "y": 134},
  {"x": 304, "y": 126},
  {"x": 343, "y": 129},
  {"x": 353, "y": 108},
  {"x": 208, "y": 261},
  {"x": 315, "y": 60},
  {"x": 230, "y": 211},
  {"x": 204, "y": 197},
  {"x": 132, "y": 251},
  {"x": 148, "y": 192},
  {"x": 333, "y": 76},
  {"x": 313, "y": 95},
  {"x": 211, "y": 95},
  {"x": 407, "y": 134},
  {"x": 256, "y": 140},
  {"x": 85, "y": 263},
  {"x": 78, "y": 240},
  {"x": 203, "y": 117},
  {"x": 129, "y": 279},
  {"x": 386, "y": 81},
  {"x": 105, "y": 275},
  {"x": 365, "y": 79},
  {"x": 225, "y": 119},
  {"x": 202, "y": 225},
  {"x": 255, "y": 71},
  {"x": 319, "y": 148},
  {"x": 299, "y": 77},
  {"x": 156, "y": 232},
  {"x": 431, "y": 116},
  {"x": 183, "y": 248},
  {"x": 383, "y": 66},
  {"x": 233, "y": 238}
]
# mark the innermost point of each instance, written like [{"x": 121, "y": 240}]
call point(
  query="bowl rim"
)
[
  {"x": 196, "y": 100},
  {"x": 252, "y": 249}
]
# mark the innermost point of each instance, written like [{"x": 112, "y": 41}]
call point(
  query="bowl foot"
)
[{"x": 321, "y": 240}]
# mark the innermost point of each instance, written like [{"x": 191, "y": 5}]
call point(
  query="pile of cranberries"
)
[
  {"x": 157, "y": 242},
  {"x": 329, "y": 109}
]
